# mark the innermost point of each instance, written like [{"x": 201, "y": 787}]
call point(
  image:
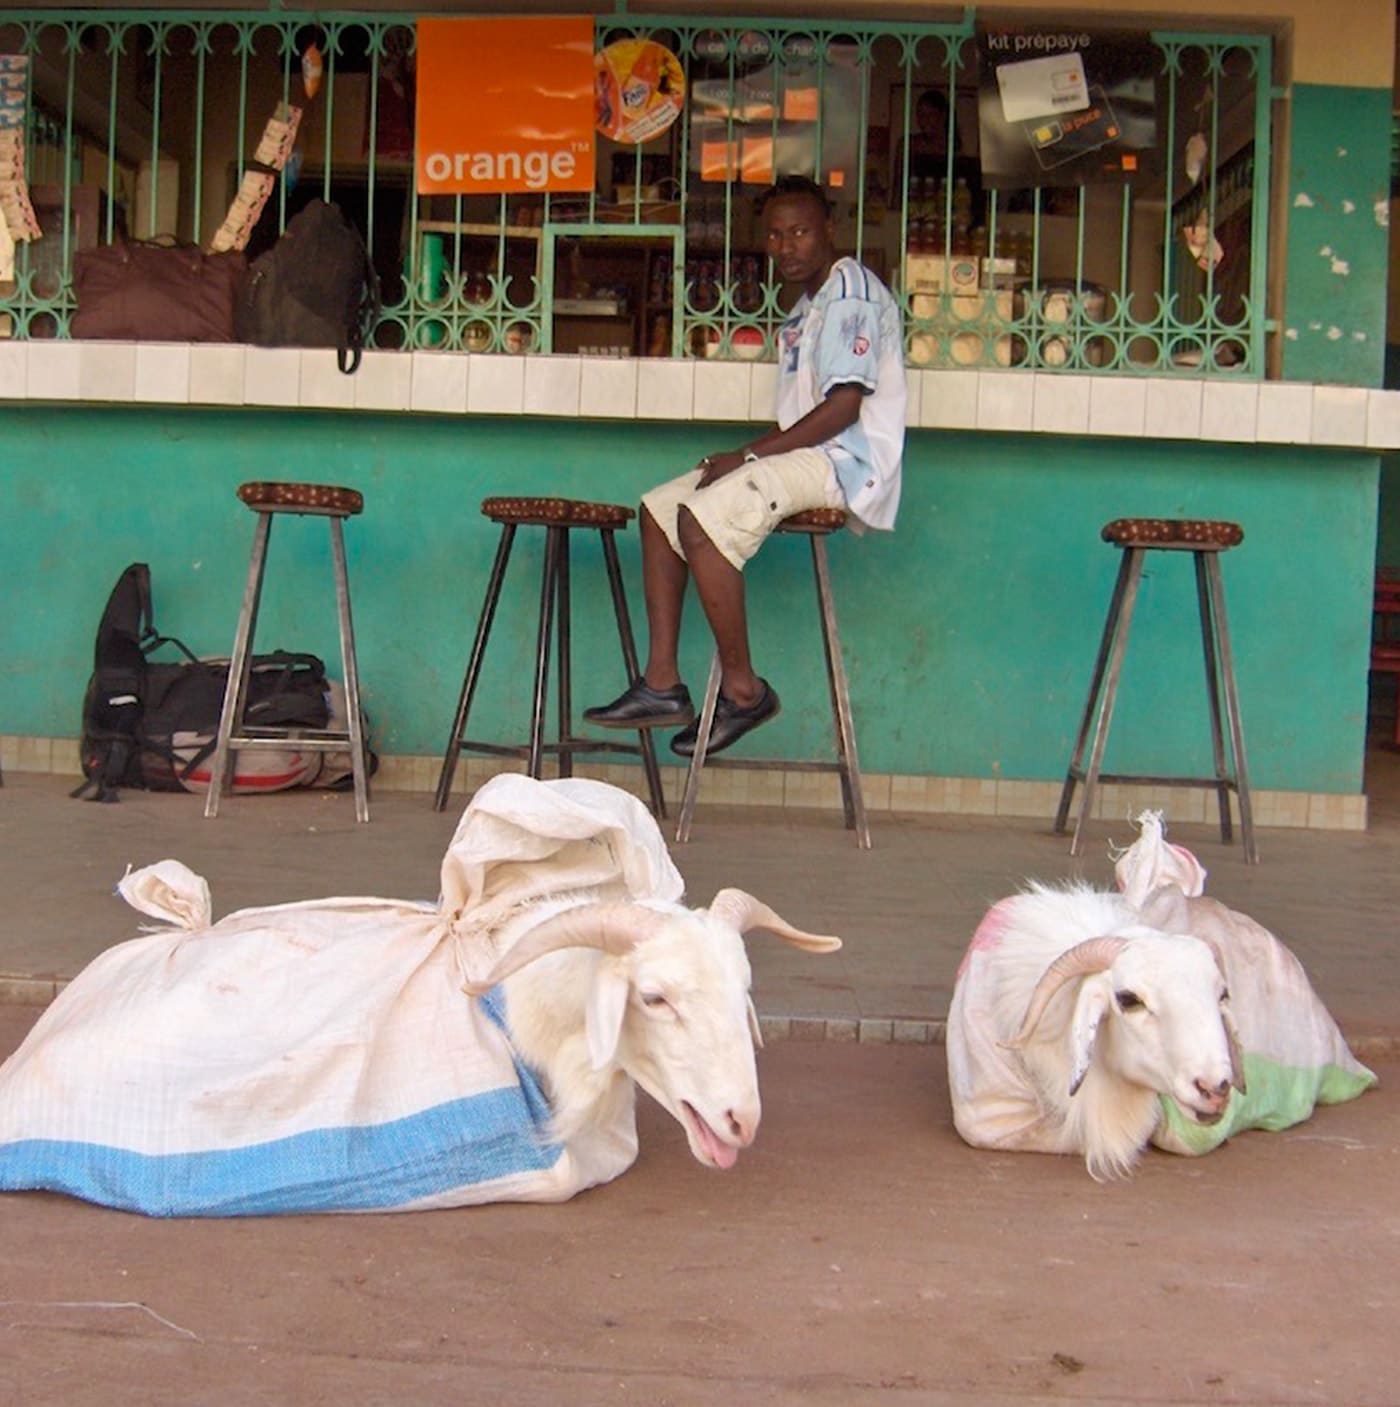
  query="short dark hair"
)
[{"x": 794, "y": 185}]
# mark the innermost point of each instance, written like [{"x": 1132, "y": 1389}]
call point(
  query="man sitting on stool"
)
[{"x": 837, "y": 444}]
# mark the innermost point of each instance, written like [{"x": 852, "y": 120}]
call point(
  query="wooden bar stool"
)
[
  {"x": 1205, "y": 540},
  {"x": 558, "y": 516},
  {"x": 335, "y": 505},
  {"x": 817, "y": 524}
]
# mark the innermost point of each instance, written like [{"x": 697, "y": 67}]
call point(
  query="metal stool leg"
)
[
  {"x": 852, "y": 798},
  {"x": 236, "y": 690},
  {"x": 552, "y": 548},
  {"x": 358, "y": 761},
  {"x": 483, "y": 631},
  {"x": 1115, "y": 669},
  {"x": 1076, "y": 760},
  {"x": 702, "y": 746},
  {"x": 1217, "y": 733},
  {"x": 629, "y": 662},
  {"x": 1232, "y": 706},
  {"x": 561, "y": 625}
]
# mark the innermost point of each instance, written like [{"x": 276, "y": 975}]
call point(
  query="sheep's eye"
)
[
  {"x": 1128, "y": 1001},
  {"x": 654, "y": 999}
]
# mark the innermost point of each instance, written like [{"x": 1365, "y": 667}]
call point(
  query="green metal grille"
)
[{"x": 143, "y": 122}]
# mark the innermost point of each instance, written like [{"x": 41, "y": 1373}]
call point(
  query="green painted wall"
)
[
  {"x": 970, "y": 632},
  {"x": 1338, "y": 244}
]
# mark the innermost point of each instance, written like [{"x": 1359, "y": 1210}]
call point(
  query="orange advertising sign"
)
[{"x": 505, "y": 104}]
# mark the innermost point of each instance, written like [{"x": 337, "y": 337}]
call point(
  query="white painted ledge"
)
[{"x": 1214, "y": 411}]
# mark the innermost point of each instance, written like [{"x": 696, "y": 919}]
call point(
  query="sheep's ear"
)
[
  {"x": 1232, "y": 1035},
  {"x": 607, "y": 1004},
  {"x": 755, "y": 1030},
  {"x": 1089, "y": 1008}
]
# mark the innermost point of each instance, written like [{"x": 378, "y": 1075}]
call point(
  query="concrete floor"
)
[
  {"x": 906, "y": 909},
  {"x": 858, "y": 1253}
]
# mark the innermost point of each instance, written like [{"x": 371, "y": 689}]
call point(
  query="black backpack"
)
[
  {"x": 135, "y": 707},
  {"x": 315, "y": 287}
]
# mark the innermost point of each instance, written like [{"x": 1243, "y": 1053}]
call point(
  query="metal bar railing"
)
[{"x": 1058, "y": 280}]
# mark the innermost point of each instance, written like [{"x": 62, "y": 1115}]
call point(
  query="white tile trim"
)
[
  {"x": 496, "y": 385},
  {"x": 665, "y": 388},
  {"x": 722, "y": 390},
  {"x": 1118, "y": 406},
  {"x": 216, "y": 373},
  {"x": 1062, "y": 404},
  {"x": 162, "y": 372},
  {"x": 1230, "y": 411},
  {"x": 14, "y": 370},
  {"x": 608, "y": 388},
  {"x": 1285, "y": 412},
  {"x": 552, "y": 385},
  {"x": 784, "y": 786},
  {"x": 1149, "y": 407},
  {"x": 1340, "y": 414},
  {"x": 54, "y": 371}
]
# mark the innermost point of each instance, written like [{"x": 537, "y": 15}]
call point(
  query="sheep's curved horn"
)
[
  {"x": 615, "y": 928},
  {"x": 743, "y": 912},
  {"x": 1092, "y": 955}
]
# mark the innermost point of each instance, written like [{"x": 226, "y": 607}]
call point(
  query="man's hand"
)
[
  {"x": 820, "y": 425},
  {"x": 716, "y": 466}
]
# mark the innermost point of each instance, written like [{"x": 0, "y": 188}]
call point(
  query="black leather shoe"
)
[
  {"x": 641, "y": 706},
  {"x": 730, "y": 724}
]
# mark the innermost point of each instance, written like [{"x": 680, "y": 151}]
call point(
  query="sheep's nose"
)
[
  {"x": 1220, "y": 1091},
  {"x": 742, "y": 1126}
]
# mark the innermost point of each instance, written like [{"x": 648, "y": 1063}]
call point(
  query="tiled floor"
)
[{"x": 906, "y": 909}]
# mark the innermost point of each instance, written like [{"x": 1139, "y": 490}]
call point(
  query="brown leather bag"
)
[{"x": 155, "y": 291}]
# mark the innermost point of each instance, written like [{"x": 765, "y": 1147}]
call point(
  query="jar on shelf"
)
[{"x": 478, "y": 287}]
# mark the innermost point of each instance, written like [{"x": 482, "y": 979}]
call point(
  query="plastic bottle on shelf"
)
[
  {"x": 962, "y": 202},
  {"x": 919, "y": 211},
  {"x": 962, "y": 217},
  {"x": 706, "y": 293},
  {"x": 935, "y": 241}
]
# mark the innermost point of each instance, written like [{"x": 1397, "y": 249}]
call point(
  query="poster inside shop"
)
[
  {"x": 1059, "y": 105},
  {"x": 640, "y": 90}
]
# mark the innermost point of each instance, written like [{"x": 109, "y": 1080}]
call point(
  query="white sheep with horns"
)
[
  {"x": 1071, "y": 1016},
  {"x": 1087, "y": 1022},
  {"x": 361, "y": 1054},
  {"x": 604, "y": 994}
]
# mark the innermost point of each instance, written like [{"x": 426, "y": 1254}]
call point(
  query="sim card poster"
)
[{"x": 1064, "y": 106}]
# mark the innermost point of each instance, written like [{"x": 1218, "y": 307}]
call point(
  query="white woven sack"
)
[
  {"x": 322, "y": 1056},
  {"x": 1295, "y": 1056}
]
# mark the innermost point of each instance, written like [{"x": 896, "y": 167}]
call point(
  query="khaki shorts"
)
[{"x": 741, "y": 509}]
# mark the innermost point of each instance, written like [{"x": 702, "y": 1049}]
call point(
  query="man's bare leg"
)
[
  {"x": 664, "y": 576},
  {"x": 720, "y": 587}
]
